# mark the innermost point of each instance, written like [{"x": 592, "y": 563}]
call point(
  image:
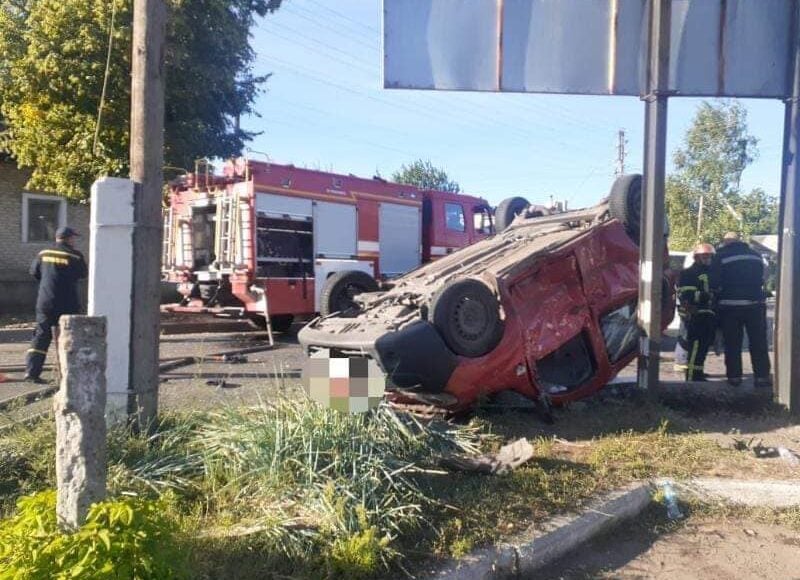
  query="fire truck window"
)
[
  {"x": 481, "y": 222},
  {"x": 454, "y": 217},
  {"x": 620, "y": 332},
  {"x": 285, "y": 248}
]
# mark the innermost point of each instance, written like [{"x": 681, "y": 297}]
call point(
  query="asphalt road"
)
[
  {"x": 263, "y": 376},
  {"x": 203, "y": 385}
]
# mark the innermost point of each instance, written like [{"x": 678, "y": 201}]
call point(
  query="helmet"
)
[{"x": 703, "y": 248}]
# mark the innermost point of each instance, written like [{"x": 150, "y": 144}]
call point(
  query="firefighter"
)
[
  {"x": 737, "y": 277},
  {"x": 58, "y": 270},
  {"x": 696, "y": 311}
]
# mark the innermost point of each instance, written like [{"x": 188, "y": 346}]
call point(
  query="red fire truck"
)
[{"x": 267, "y": 240}]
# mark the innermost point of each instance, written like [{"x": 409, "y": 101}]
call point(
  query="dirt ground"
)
[{"x": 699, "y": 549}]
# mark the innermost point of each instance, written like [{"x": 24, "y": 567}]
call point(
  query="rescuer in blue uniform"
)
[
  {"x": 737, "y": 278},
  {"x": 58, "y": 270},
  {"x": 696, "y": 309}
]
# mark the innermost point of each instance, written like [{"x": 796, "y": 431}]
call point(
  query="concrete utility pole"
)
[
  {"x": 80, "y": 427},
  {"x": 147, "y": 159},
  {"x": 651, "y": 258},
  {"x": 787, "y": 333},
  {"x": 621, "y": 153}
]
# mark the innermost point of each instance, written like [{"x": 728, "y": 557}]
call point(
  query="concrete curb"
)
[
  {"x": 764, "y": 493},
  {"x": 537, "y": 548}
]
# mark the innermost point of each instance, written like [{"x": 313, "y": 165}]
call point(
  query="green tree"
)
[
  {"x": 423, "y": 174},
  {"x": 716, "y": 150},
  {"x": 52, "y": 73}
]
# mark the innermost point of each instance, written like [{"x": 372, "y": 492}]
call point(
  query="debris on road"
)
[
  {"x": 508, "y": 458},
  {"x": 761, "y": 451},
  {"x": 789, "y": 456}
]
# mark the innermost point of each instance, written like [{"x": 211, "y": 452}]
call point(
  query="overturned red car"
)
[{"x": 546, "y": 309}]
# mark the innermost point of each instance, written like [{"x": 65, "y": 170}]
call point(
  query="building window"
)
[
  {"x": 454, "y": 217},
  {"x": 42, "y": 215}
]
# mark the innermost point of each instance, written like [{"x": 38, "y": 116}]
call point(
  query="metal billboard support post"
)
[
  {"x": 651, "y": 258},
  {"x": 787, "y": 335}
]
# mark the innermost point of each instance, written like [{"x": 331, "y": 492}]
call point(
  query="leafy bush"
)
[{"x": 126, "y": 538}]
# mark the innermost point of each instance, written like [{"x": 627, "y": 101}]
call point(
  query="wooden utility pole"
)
[{"x": 147, "y": 160}]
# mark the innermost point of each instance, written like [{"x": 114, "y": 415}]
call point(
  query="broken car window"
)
[{"x": 620, "y": 332}]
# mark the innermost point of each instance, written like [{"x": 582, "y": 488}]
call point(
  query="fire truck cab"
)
[{"x": 268, "y": 240}]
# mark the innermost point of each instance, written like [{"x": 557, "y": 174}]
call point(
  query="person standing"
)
[
  {"x": 696, "y": 311},
  {"x": 58, "y": 270},
  {"x": 737, "y": 278}
]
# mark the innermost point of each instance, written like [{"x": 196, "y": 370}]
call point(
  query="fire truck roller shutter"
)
[
  {"x": 400, "y": 232},
  {"x": 281, "y": 205},
  {"x": 335, "y": 230}
]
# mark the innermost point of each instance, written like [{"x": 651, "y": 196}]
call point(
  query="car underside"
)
[{"x": 546, "y": 310}]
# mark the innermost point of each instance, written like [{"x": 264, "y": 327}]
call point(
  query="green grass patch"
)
[{"x": 289, "y": 489}]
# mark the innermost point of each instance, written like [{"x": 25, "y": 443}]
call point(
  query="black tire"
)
[
  {"x": 507, "y": 210},
  {"x": 467, "y": 315},
  {"x": 340, "y": 288},
  {"x": 625, "y": 203}
]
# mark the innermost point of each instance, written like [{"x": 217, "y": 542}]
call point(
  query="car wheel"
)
[
  {"x": 625, "y": 203},
  {"x": 467, "y": 315},
  {"x": 279, "y": 322},
  {"x": 340, "y": 289},
  {"x": 507, "y": 210}
]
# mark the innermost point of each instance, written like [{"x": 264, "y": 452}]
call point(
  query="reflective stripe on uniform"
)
[
  {"x": 687, "y": 288},
  {"x": 738, "y": 302},
  {"x": 55, "y": 260},
  {"x": 37, "y": 351},
  {"x": 691, "y": 366},
  {"x": 739, "y": 257},
  {"x": 59, "y": 253}
]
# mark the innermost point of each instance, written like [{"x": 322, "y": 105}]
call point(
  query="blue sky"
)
[{"x": 324, "y": 108}]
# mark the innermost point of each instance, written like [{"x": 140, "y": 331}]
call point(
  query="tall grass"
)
[
  {"x": 331, "y": 471},
  {"x": 330, "y": 486}
]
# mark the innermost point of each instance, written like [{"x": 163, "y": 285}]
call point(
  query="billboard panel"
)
[{"x": 718, "y": 47}]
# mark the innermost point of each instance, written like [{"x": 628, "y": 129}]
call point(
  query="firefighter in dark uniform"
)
[
  {"x": 58, "y": 270},
  {"x": 737, "y": 276},
  {"x": 696, "y": 309}
]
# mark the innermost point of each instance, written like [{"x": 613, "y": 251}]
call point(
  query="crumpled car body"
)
[{"x": 566, "y": 291}]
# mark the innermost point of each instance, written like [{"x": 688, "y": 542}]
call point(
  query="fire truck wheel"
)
[
  {"x": 340, "y": 289},
  {"x": 625, "y": 203},
  {"x": 507, "y": 210},
  {"x": 467, "y": 315}
]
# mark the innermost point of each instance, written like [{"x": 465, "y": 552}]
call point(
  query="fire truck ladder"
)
[
  {"x": 228, "y": 230},
  {"x": 168, "y": 249}
]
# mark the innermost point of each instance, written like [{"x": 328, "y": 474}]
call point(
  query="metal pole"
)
[
  {"x": 787, "y": 333},
  {"x": 147, "y": 160},
  {"x": 651, "y": 258}
]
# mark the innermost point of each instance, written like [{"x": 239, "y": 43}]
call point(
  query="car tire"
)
[
  {"x": 625, "y": 203},
  {"x": 279, "y": 322},
  {"x": 340, "y": 288},
  {"x": 507, "y": 210},
  {"x": 467, "y": 315}
]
